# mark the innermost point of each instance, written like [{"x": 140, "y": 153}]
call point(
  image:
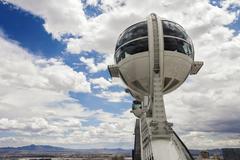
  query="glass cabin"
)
[{"x": 135, "y": 40}]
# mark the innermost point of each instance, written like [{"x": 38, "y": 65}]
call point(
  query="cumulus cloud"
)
[
  {"x": 91, "y": 66},
  {"x": 103, "y": 90},
  {"x": 22, "y": 69},
  {"x": 92, "y": 2},
  {"x": 6, "y": 124},
  {"x": 112, "y": 130},
  {"x": 35, "y": 105},
  {"x": 203, "y": 140},
  {"x": 101, "y": 82},
  {"x": 114, "y": 96},
  {"x": 105, "y": 84}
]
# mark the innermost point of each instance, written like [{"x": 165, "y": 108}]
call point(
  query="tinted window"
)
[
  {"x": 131, "y": 48},
  {"x": 173, "y": 29},
  {"x": 173, "y": 44},
  {"x": 136, "y": 106},
  {"x": 133, "y": 32}
]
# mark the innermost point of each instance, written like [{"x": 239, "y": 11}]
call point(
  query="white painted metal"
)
[{"x": 145, "y": 74}]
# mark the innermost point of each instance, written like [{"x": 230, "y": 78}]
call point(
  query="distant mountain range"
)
[
  {"x": 49, "y": 150},
  {"x": 32, "y": 148}
]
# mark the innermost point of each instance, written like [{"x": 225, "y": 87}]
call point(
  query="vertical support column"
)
[
  {"x": 159, "y": 125},
  {"x": 159, "y": 114},
  {"x": 159, "y": 120},
  {"x": 154, "y": 124}
]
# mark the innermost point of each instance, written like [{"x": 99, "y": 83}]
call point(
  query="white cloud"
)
[
  {"x": 6, "y": 124},
  {"x": 205, "y": 140},
  {"x": 105, "y": 91},
  {"x": 101, "y": 83},
  {"x": 92, "y": 2},
  {"x": 227, "y": 3},
  {"x": 113, "y": 130},
  {"x": 61, "y": 17},
  {"x": 35, "y": 106},
  {"x": 114, "y": 96},
  {"x": 91, "y": 66},
  {"x": 105, "y": 84},
  {"x": 22, "y": 69},
  {"x": 65, "y": 78},
  {"x": 29, "y": 85}
]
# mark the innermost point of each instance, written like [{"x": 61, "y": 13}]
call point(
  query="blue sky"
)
[
  {"x": 59, "y": 52},
  {"x": 29, "y": 32}
]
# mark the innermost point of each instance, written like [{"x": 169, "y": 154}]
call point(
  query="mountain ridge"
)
[{"x": 48, "y": 149}]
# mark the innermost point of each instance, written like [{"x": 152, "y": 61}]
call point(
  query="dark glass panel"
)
[
  {"x": 131, "y": 48},
  {"x": 170, "y": 44},
  {"x": 173, "y": 44},
  {"x": 136, "y": 106},
  {"x": 166, "y": 81},
  {"x": 138, "y": 85},
  {"x": 173, "y": 84},
  {"x": 133, "y": 32},
  {"x": 173, "y": 29}
]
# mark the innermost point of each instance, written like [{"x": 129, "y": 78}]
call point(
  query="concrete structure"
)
[{"x": 153, "y": 58}]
